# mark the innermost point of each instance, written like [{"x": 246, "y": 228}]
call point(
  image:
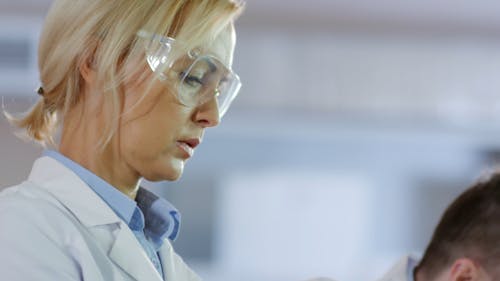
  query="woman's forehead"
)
[{"x": 223, "y": 46}]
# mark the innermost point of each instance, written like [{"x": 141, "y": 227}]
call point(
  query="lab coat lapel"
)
[
  {"x": 72, "y": 192},
  {"x": 174, "y": 267},
  {"x": 127, "y": 253}
]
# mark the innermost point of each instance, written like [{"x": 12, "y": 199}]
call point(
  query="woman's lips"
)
[{"x": 188, "y": 146}]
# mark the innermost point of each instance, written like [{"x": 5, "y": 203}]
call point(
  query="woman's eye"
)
[{"x": 191, "y": 80}]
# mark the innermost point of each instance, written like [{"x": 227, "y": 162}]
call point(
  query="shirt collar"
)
[
  {"x": 162, "y": 218},
  {"x": 157, "y": 217}
]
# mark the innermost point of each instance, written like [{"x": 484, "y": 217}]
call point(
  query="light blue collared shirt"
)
[{"x": 151, "y": 218}]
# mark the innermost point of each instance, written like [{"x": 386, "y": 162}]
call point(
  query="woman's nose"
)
[{"x": 207, "y": 114}]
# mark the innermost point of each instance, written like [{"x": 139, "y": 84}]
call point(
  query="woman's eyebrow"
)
[{"x": 211, "y": 65}]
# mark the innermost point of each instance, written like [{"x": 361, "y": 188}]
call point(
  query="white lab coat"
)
[
  {"x": 399, "y": 272},
  {"x": 54, "y": 227}
]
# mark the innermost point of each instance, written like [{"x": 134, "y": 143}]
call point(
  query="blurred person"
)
[
  {"x": 130, "y": 87},
  {"x": 465, "y": 244}
]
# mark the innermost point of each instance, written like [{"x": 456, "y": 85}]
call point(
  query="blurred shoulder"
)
[{"x": 402, "y": 270}]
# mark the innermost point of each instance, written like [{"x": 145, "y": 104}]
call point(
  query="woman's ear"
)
[
  {"x": 465, "y": 269},
  {"x": 87, "y": 68},
  {"x": 87, "y": 64}
]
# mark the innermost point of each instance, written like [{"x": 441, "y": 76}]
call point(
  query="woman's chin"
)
[
  {"x": 173, "y": 176},
  {"x": 163, "y": 177},
  {"x": 170, "y": 172}
]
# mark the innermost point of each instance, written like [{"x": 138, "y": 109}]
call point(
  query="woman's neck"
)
[{"x": 79, "y": 142}]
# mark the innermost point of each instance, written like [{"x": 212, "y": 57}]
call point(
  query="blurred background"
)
[{"x": 358, "y": 123}]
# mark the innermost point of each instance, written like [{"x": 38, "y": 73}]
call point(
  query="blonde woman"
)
[{"x": 129, "y": 87}]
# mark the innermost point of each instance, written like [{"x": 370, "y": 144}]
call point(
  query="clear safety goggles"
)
[{"x": 198, "y": 78}]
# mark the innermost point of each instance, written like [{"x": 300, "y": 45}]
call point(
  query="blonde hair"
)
[{"x": 105, "y": 31}]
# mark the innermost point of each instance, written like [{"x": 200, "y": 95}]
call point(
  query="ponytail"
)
[{"x": 39, "y": 123}]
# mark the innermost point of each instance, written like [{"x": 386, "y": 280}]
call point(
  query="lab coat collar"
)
[{"x": 72, "y": 192}]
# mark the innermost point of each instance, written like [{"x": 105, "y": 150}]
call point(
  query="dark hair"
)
[{"x": 469, "y": 228}]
